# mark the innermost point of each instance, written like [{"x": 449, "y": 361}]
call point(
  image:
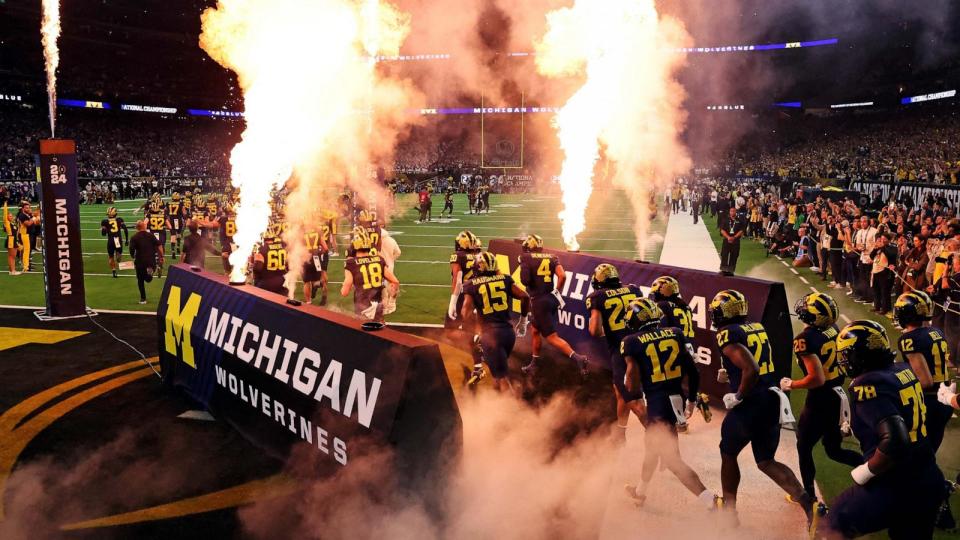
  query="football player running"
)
[
  {"x": 365, "y": 273},
  {"x": 466, "y": 246},
  {"x": 899, "y": 487},
  {"x": 312, "y": 271},
  {"x": 826, "y": 410},
  {"x": 111, "y": 227},
  {"x": 607, "y": 305},
  {"x": 270, "y": 262},
  {"x": 175, "y": 223},
  {"x": 542, "y": 275},
  {"x": 488, "y": 296},
  {"x": 753, "y": 404},
  {"x": 925, "y": 349},
  {"x": 658, "y": 358},
  {"x": 157, "y": 225}
]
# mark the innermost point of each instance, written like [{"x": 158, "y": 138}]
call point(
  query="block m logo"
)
[{"x": 178, "y": 324}]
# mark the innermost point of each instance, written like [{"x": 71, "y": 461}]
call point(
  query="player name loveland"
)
[
  {"x": 61, "y": 234},
  {"x": 300, "y": 367}
]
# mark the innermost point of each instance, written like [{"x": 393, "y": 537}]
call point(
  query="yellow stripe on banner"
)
[
  {"x": 250, "y": 492},
  {"x": 15, "y": 337},
  {"x": 13, "y": 442}
]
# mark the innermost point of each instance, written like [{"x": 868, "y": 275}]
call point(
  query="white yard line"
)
[
  {"x": 803, "y": 279},
  {"x": 794, "y": 270}
]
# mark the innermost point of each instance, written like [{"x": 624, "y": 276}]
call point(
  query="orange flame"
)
[
  {"x": 629, "y": 102},
  {"x": 309, "y": 91},
  {"x": 50, "y": 32}
]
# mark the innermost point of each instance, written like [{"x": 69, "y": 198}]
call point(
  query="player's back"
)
[
  {"x": 492, "y": 298},
  {"x": 887, "y": 392},
  {"x": 662, "y": 357},
  {"x": 465, "y": 259},
  {"x": 368, "y": 281},
  {"x": 613, "y": 304},
  {"x": 274, "y": 252},
  {"x": 677, "y": 315},
  {"x": 536, "y": 272},
  {"x": 929, "y": 342},
  {"x": 822, "y": 343},
  {"x": 752, "y": 336}
]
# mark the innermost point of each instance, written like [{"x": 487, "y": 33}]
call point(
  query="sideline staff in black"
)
[
  {"x": 732, "y": 229},
  {"x": 145, "y": 250}
]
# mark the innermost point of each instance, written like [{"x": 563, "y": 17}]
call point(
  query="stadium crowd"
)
[{"x": 915, "y": 146}]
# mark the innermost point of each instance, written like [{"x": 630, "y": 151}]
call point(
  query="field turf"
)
[{"x": 423, "y": 268}]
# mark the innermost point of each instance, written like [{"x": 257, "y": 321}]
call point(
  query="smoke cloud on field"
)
[{"x": 516, "y": 478}]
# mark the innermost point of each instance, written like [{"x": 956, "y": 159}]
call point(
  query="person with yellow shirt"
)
[
  {"x": 25, "y": 220},
  {"x": 12, "y": 240}
]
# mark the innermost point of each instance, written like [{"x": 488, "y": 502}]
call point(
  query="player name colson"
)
[{"x": 253, "y": 345}]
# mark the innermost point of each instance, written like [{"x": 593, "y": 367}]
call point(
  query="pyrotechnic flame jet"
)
[{"x": 50, "y": 32}]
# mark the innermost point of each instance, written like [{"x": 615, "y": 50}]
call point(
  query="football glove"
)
[
  {"x": 560, "y": 302},
  {"x": 946, "y": 393},
  {"x": 731, "y": 400},
  {"x": 452, "y": 308}
]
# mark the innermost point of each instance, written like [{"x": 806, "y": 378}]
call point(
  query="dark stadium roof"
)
[{"x": 146, "y": 50}]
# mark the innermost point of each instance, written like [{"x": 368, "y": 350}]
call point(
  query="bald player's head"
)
[{"x": 142, "y": 225}]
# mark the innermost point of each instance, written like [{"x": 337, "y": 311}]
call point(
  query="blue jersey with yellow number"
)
[
  {"x": 752, "y": 336},
  {"x": 492, "y": 298},
  {"x": 613, "y": 305},
  {"x": 663, "y": 358},
  {"x": 892, "y": 391},
  {"x": 929, "y": 342},
  {"x": 536, "y": 272},
  {"x": 678, "y": 315},
  {"x": 821, "y": 343}
]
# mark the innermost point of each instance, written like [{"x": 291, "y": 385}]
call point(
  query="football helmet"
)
[
  {"x": 485, "y": 263},
  {"x": 913, "y": 307},
  {"x": 817, "y": 309},
  {"x": 643, "y": 313},
  {"x": 665, "y": 288},
  {"x": 606, "y": 275},
  {"x": 533, "y": 242},
  {"x": 863, "y": 346},
  {"x": 727, "y": 307}
]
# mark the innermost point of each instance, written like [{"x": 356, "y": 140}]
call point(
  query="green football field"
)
[{"x": 423, "y": 268}]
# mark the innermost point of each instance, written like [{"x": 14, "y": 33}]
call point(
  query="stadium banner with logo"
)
[
  {"x": 285, "y": 375},
  {"x": 60, "y": 211},
  {"x": 913, "y": 194},
  {"x": 767, "y": 302}
]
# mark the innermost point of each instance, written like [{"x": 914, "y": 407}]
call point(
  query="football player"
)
[
  {"x": 175, "y": 223},
  {"x": 607, "y": 305},
  {"x": 447, "y": 202},
  {"x": 925, "y": 349},
  {"x": 25, "y": 221},
  {"x": 227, "y": 223},
  {"x": 542, "y": 276},
  {"x": 368, "y": 220},
  {"x": 187, "y": 204},
  {"x": 826, "y": 411},
  {"x": 270, "y": 262},
  {"x": 899, "y": 487},
  {"x": 753, "y": 408},
  {"x": 365, "y": 273},
  {"x": 658, "y": 358},
  {"x": 157, "y": 225},
  {"x": 111, "y": 227},
  {"x": 466, "y": 246},
  {"x": 313, "y": 266},
  {"x": 665, "y": 291},
  {"x": 198, "y": 215},
  {"x": 491, "y": 294},
  {"x": 328, "y": 235}
]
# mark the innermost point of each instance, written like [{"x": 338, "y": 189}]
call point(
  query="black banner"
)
[
  {"x": 767, "y": 301},
  {"x": 283, "y": 375},
  {"x": 60, "y": 208}
]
